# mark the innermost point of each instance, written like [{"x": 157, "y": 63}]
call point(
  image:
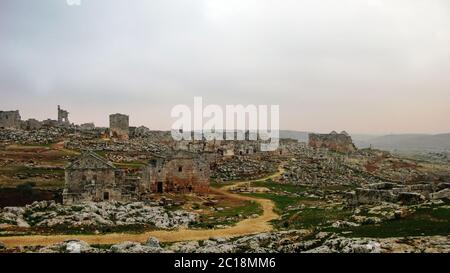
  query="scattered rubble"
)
[
  {"x": 105, "y": 214},
  {"x": 295, "y": 241},
  {"x": 243, "y": 168}
]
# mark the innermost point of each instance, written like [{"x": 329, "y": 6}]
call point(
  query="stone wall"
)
[
  {"x": 91, "y": 185},
  {"x": 31, "y": 124},
  {"x": 181, "y": 173},
  {"x": 10, "y": 120},
  {"x": 92, "y": 178}
]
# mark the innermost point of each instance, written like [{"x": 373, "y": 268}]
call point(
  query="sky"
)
[{"x": 367, "y": 67}]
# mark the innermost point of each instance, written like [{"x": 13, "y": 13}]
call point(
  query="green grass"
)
[
  {"x": 130, "y": 165},
  {"x": 283, "y": 197},
  {"x": 281, "y": 201},
  {"x": 22, "y": 170},
  {"x": 425, "y": 221},
  {"x": 315, "y": 217},
  {"x": 218, "y": 185},
  {"x": 277, "y": 187},
  {"x": 222, "y": 217},
  {"x": 280, "y": 193}
]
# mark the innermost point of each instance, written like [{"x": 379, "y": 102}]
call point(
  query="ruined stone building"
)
[
  {"x": 10, "y": 120},
  {"x": 87, "y": 126},
  {"x": 334, "y": 142},
  {"x": 92, "y": 178},
  {"x": 63, "y": 117},
  {"x": 31, "y": 124},
  {"x": 182, "y": 172},
  {"x": 119, "y": 126}
]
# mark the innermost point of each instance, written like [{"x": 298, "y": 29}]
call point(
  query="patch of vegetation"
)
[
  {"x": 130, "y": 165},
  {"x": 281, "y": 201},
  {"x": 228, "y": 216},
  {"x": 29, "y": 171},
  {"x": 277, "y": 187},
  {"x": 92, "y": 230},
  {"x": 218, "y": 185},
  {"x": 26, "y": 187},
  {"x": 313, "y": 217},
  {"x": 287, "y": 196},
  {"x": 424, "y": 222}
]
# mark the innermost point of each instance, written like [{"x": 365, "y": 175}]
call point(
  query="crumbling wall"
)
[
  {"x": 31, "y": 124},
  {"x": 10, "y": 120},
  {"x": 63, "y": 116},
  {"x": 87, "y": 126}
]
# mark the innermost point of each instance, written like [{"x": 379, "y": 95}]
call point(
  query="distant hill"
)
[
  {"x": 400, "y": 142},
  {"x": 406, "y": 142},
  {"x": 300, "y": 136}
]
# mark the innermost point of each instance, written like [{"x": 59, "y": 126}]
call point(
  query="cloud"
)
[{"x": 331, "y": 65}]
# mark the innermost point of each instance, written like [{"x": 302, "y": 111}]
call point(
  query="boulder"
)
[
  {"x": 152, "y": 242},
  {"x": 69, "y": 246},
  {"x": 134, "y": 247},
  {"x": 369, "y": 196},
  {"x": 443, "y": 194},
  {"x": 410, "y": 198},
  {"x": 382, "y": 186}
]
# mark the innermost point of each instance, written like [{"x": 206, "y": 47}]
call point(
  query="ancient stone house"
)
[
  {"x": 182, "y": 172},
  {"x": 10, "y": 120},
  {"x": 334, "y": 142},
  {"x": 91, "y": 178}
]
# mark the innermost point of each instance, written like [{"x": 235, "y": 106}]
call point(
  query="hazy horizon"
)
[{"x": 367, "y": 67}]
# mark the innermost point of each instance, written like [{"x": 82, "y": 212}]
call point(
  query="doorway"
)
[
  {"x": 106, "y": 196},
  {"x": 159, "y": 187}
]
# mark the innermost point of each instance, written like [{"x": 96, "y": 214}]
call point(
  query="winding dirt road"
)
[{"x": 245, "y": 227}]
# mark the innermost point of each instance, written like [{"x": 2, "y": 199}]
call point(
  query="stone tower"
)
[{"x": 119, "y": 126}]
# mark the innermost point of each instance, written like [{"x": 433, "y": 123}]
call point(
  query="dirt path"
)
[{"x": 245, "y": 227}]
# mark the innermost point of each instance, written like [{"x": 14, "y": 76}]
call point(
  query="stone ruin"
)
[
  {"x": 334, "y": 142},
  {"x": 93, "y": 178},
  {"x": 87, "y": 126},
  {"x": 63, "y": 116},
  {"x": 10, "y": 120},
  {"x": 376, "y": 193},
  {"x": 119, "y": 126},
  {"x": 181, "y": 172}
]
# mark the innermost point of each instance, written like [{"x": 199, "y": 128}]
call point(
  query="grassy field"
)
[
  {"x": 315, "y": 214},
  {"x": 229, "y": 215},
  {"x": 424, "y": 221}
]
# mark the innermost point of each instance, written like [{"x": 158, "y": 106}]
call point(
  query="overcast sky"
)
[{"x": 362, "y": 66}]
